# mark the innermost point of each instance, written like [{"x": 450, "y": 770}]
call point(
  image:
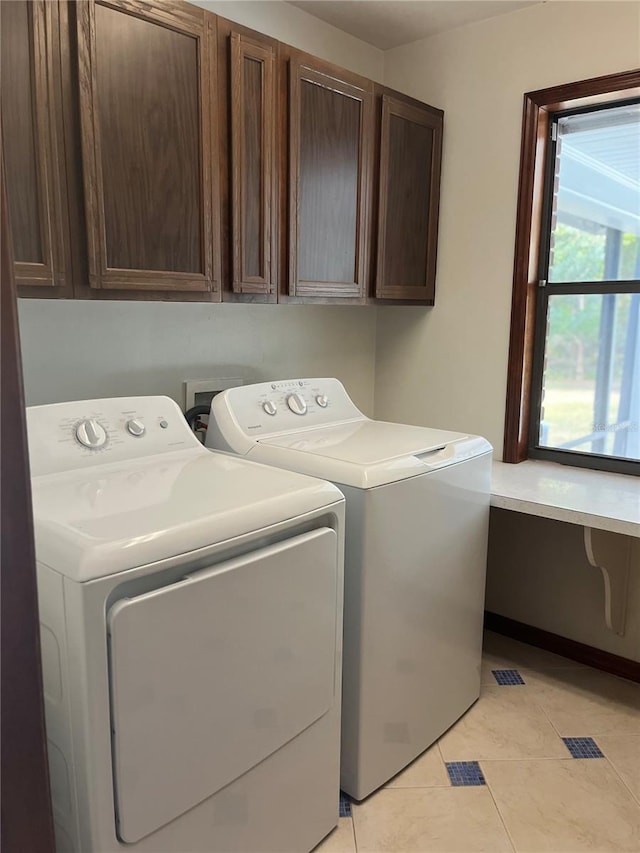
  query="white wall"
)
[
  {"x": 75, "y": 350},
  {"x": 299, "y": 29},
  {"x": 447, "y": 366}
]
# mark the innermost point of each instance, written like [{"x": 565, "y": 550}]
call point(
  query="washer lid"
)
[
  {"x": 367, "y": 453},
  {"x": 97, "y": 522}
]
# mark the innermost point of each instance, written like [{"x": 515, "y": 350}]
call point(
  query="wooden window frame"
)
[{"x": 537, "y": 109}]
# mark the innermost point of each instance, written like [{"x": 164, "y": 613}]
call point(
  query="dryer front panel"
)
[{"x": 211, "y": 675}]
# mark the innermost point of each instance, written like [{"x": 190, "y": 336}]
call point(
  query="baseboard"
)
[{"x": 571, "y": 649}]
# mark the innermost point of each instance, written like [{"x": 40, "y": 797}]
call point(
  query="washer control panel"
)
[
  {"x": 67, "y": 436},
  {"x": 276, "y": 407}
]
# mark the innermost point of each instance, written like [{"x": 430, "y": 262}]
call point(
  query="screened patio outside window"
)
[{"x": 586, "y": 370}]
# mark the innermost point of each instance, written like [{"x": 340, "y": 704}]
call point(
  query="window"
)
[{"x": 574, "y": 375}]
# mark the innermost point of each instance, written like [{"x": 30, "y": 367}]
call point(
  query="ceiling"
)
[{"x": 389, "y": 23}]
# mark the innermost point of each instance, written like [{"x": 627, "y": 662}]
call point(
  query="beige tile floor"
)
[{"x": 537, "y": 797}]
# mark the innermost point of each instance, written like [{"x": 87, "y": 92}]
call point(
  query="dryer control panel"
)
[
  {"x": 271, "y": 408},
  {"x": 67, "y": 436}
]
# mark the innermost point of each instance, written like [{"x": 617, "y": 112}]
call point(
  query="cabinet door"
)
[
  {"x": 410, "y": 157},
  {"x": 329, "y": 183},
  {"x": 252, "y": 165},
  {"x": 32, "y": 143},
  {"x": 150, "y": 170}
]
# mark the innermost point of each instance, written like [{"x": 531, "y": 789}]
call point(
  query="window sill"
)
[{"x": 595, "y": 499}]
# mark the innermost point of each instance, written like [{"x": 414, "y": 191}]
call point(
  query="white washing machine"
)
[
  {"x": 416, "y": 543},
  {"x": 191, "y": 628}
]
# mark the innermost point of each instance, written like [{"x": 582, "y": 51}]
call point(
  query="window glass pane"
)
[
  {"x": 591, "y": 399},
  {"x": 595, "y": 229}
]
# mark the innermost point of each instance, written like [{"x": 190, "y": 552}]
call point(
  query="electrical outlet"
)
[{"x": 200, "y": 392}]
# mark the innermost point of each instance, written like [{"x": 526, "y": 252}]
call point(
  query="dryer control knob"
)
[
  {"x": 297, "y": 404},
  {"x": 91, "y": 434},
  {"x": 270, "y": 407},
  {"x": 322, "y": 400},
  {"x": 136, "y": 427}
]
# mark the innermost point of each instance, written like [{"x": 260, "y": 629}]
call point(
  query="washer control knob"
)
[
  {"x": 91, "y": 434},
  {"x": 136, "y": 427},
  {"x": 297, "y": 404},
  {"x": 322, "y": 400},
  {"x": 270, "y": 407}
]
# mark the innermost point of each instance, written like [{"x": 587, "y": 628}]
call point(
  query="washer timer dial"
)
[
  {"x": 91, "y": 434},
  {"x": 297, "y": 404}
]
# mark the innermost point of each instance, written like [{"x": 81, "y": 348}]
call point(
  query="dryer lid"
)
[{"x": 100, "y": 521}]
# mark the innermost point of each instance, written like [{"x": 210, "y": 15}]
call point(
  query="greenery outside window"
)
[
  {"x": 574, "y": 372},
  {"x": 586, "y": 387}
]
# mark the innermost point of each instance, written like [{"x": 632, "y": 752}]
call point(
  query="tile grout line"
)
[
  {"x": 398, "y": 789},
  {"x": 619, "y": 775},
  {"x": 561, "y": 736},
  {"x": 546, "y": 716},
  {"x": 353, "y": 827},
  {"x": 353, "y": 831},
  {"x": 497, "y": 807},
  {"x": 530, "y": 694},
  {"x": 568, "y": 757},
  {"x": 422, "y": 787}
]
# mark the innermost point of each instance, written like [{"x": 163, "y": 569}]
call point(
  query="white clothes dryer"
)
[
  {"x": 416, "y": 543},
  {"x": 191, "y": 627}
]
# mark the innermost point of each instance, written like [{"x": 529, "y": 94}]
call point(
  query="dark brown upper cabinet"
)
[
  {"x": 409, "y": 195},
  {"x": 330, "y": 134},
  {"x": 33, "y": 146},
  {"x": 254, "y": 260},
  {"x": 147, "y": 76}
]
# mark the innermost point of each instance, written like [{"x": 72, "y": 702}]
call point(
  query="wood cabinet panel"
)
[
  {"x": 407, "y": 202},
  {"x": 410, "y": 159},
  {"x": 252, "y": 170},
  {"x": 19, "y": 82},
  {"x": 329, "y": 183},
  {"x": 160, "y": 163},
  {"x": 32, "y": 142},
  {"x": 328, "y": 188},
  {"x": 150, "y": 166},
  {"x": 152, "y": 156}
]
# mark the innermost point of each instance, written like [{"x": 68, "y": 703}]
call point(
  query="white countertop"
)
[{"x": 578, "y": 495}]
